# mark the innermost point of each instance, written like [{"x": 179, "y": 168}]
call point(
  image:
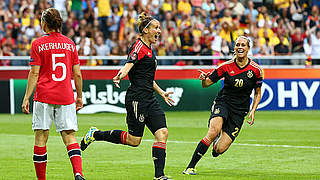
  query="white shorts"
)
[{"x": 64, "y": 116}]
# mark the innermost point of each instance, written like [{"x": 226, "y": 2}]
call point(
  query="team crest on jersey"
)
[
  {"x": 134, "y": 56},
  {"x": 31, "y": 59},
  {"x": 217, "y": 111},
  {"x": 250, "y": 74},
  {"x": 141, "y": 118}
]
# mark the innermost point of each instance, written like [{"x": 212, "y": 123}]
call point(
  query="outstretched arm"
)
[
  {"x": 122, "y": 73},
  {"x": 205, "y": 81},
  {"x": 32, "y": 82},
  {"x": 256, "y": 100},
  {"x": 163, "y": 94}
]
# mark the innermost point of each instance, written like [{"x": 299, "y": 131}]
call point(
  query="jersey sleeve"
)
[
  {"x": 35, "y": 56},
  {"x": 135, "y": 52},
  {"x": 75, "y": 56},
  {"x": 217, "y": 74},
  {"x": 259, "y": 77}
]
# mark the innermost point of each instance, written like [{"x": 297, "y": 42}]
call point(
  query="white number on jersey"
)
[{"x": 55, "y": 65}]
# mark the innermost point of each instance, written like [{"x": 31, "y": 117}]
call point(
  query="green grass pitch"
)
[{"x": 281, "y": 145}]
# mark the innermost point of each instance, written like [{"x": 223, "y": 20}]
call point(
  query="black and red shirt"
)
[
  {"x": 238, "y": 83},
  {"x": 142, "y": 74}
]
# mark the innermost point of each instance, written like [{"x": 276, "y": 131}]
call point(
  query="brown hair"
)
[
  {"x": 52, "y": 18},
  {"x": 143, "y": 21}
]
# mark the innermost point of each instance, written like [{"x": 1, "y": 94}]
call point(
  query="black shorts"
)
[
  {"x": 141, "y": 113},
  {"x": 232, "y": 119}
]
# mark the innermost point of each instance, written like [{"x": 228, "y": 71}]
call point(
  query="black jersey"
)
[
  {"x": 142, "y": 74},
  {"x": 238, "y": 83}
]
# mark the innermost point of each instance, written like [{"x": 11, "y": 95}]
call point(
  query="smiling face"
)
[
  {"x": 152, "y": 33},
  {"x": 241, "y": 47}
]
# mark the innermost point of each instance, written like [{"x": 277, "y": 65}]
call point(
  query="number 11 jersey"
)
[{"x": 56, "y": 54}]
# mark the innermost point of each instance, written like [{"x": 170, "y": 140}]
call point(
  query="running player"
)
[
  {"x": 141, "y": 104},
  {"x": 241, "y": 75},
  {"x": 53, "y": 60}
]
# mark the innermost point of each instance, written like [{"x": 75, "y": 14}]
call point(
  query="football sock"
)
[
  {"x": 199, "y": 152},
  {"x": 159, "y": 157},
  {"x": 40, "y": 161},
  {"x": 75, "y": 158},
  {"x": 114, "y": 136}
]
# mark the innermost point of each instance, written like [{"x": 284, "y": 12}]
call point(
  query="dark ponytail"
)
[{"x": 53, "y": 19}]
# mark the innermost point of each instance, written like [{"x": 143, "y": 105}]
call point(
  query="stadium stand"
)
[{"x": 194, "y": 28}]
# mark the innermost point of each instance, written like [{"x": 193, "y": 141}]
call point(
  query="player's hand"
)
[
  {"x": 25, "y": 106},
  {"x": 79, "y": 104},
  {"x": 251, "y": 118},
  {"x": 116, "y": 80},
  {"x": 203, "y": 75},
  {"x": 167, "y": 99}
]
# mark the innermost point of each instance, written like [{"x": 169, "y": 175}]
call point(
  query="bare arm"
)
[
  {"x": 122, "y": 73},
  {"x": 78, "y": 82},
  {"x": 163, "y": 94},
  {"x": 32, "y": 82},
  {"x": 205, "y": 81},
  {"x": 256, "y": 100}
]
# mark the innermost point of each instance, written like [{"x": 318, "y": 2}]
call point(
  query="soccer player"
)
[
  {"x": 241, "y": 75},
  {"x": 141, "y": 104},
  {"x": 53, "y": 60}
]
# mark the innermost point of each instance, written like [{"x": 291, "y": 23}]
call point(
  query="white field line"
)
[
  {"x": 191, "y": 142},
  {"x": 245, "y": 144}
]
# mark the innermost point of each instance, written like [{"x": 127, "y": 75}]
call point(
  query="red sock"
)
[
  {"x": 40, "y": 161},
  {"x": 75, "y": 158}
]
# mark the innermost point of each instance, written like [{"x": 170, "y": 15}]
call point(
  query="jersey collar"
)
[{"x": 235, "y": 61}]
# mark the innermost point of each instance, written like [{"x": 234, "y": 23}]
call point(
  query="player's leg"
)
[
  {"x": 40, "y": 153},
  {"x": 230, "y": 130},
  {"x": 213, "y": 131},
  {"x": 66, "y": 123},
  {"x": 222, "y": 144},
  {"x": 156, "y": 122},
  {"x": 41, "y": 122},
  {"x": 135, "y": 127}
]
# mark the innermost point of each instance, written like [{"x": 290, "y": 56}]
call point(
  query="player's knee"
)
[
  {"x": 133, "y": 141},
  {"x": 212, "y": 133},
  {"x": 161, "y": 134}
]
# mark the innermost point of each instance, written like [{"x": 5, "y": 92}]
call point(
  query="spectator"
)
[
  {"x": 251, "y": 14},
  {"x": 315, "y": 44},
  {"x": 102, "y": 49},
  {"x": 282, "y": 6},
  {"x": 281, "y": 50},
  {"x": 184, "y": 7},
  {"x": 237, "y": 9}
]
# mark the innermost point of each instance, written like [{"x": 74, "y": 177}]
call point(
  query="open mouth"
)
[
  {"x": 240, "y": 51},
  {"x": 156, "y": 36}
]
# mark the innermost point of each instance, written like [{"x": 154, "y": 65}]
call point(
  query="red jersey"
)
[{"x": 56, "y": 55}]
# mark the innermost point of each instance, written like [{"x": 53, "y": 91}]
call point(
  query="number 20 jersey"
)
[
  {"x": 238, "y": 83},
  {"x": 56, "y": 55}
]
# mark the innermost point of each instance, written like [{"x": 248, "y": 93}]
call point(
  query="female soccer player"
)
[
  {"x": 241, "y": 75},
  {"x": 141, "y": 104},
  {"x": 53, "y": 59}
]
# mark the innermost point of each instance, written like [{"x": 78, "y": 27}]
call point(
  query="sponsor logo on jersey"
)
[
  {"x": 232, "y": 72},
  {"x": 31, "y": 59},
  {"x": 250, "y": 74}
]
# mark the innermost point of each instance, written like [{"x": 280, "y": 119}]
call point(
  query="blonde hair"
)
[
  {"x": 244, "y": 37},
  {"x": 143, "y": 21}
]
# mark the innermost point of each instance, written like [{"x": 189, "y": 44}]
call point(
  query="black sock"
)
[
  {"x": 159, "y": 157},
  {"x": 114, "y": 136},
  {"x": 199, "y": 152}
]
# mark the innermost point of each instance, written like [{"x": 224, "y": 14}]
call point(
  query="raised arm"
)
[
  {"x": 122, "y": 73},
  {"x": 32, "y": 82}
]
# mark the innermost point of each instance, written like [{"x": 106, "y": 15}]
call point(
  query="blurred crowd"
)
[{"x": 189, "y": 27}]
